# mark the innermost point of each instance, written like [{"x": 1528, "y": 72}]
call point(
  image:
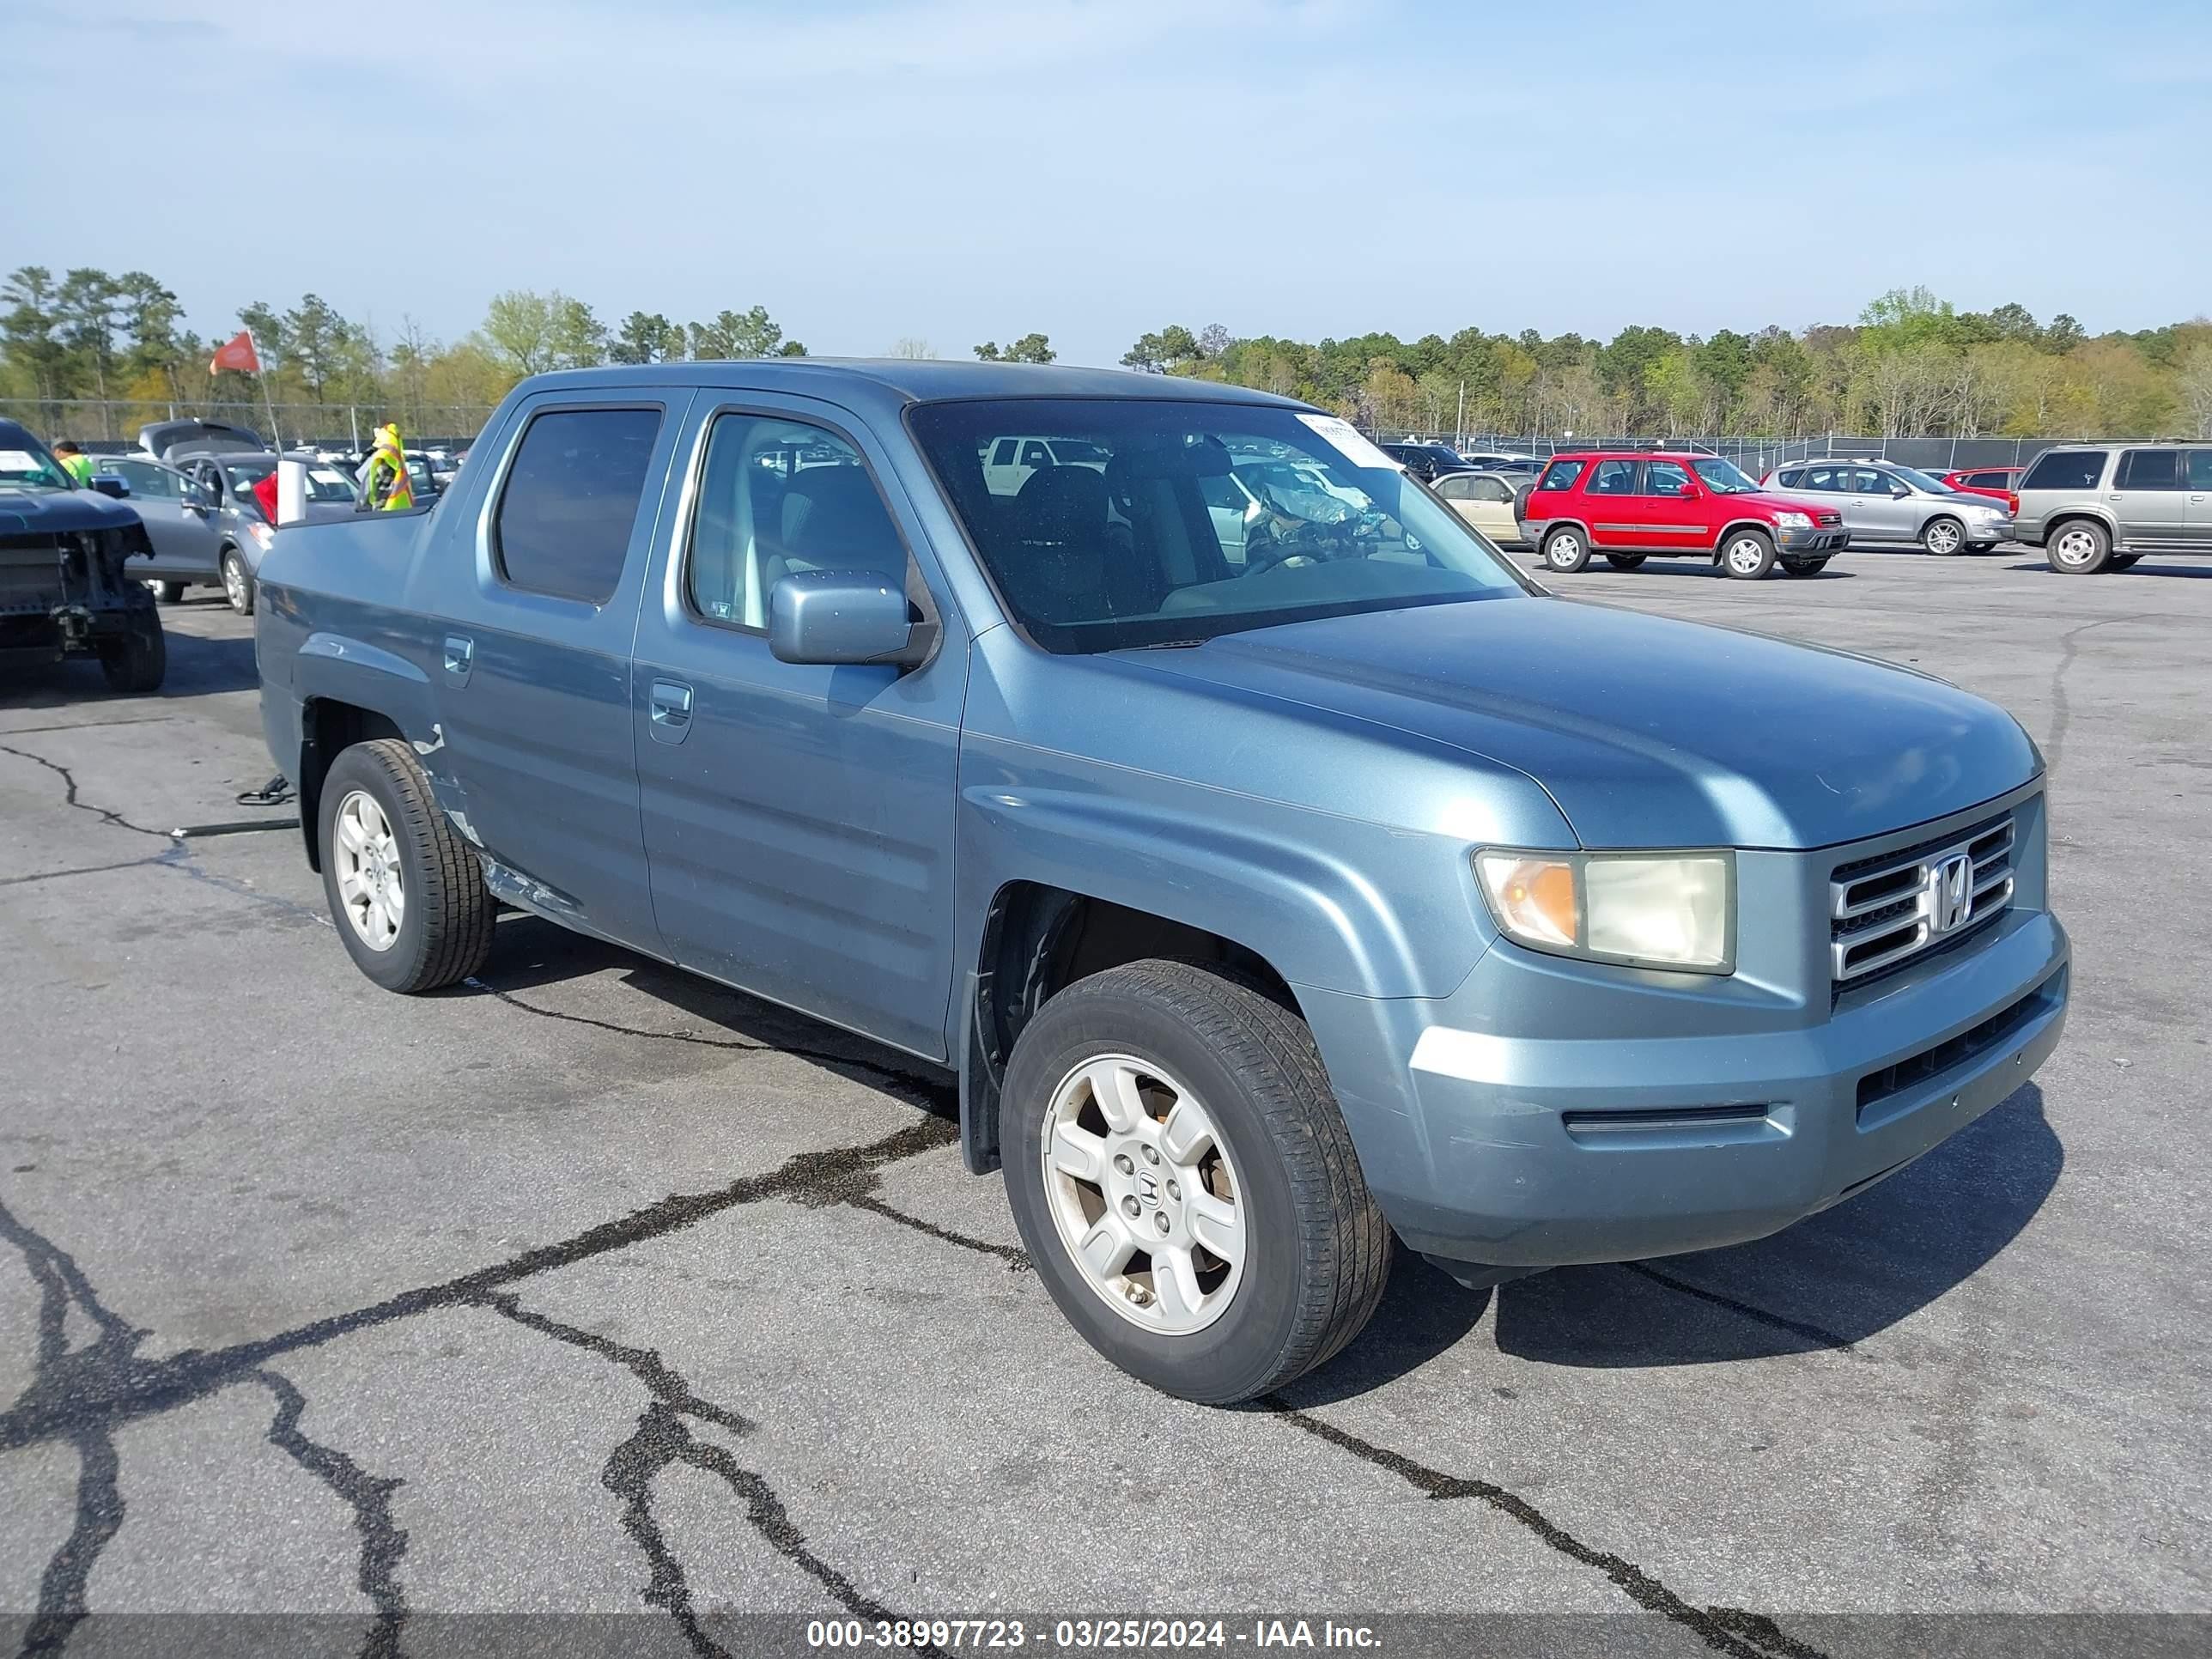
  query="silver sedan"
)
[{"x": 1883, "y": 501}]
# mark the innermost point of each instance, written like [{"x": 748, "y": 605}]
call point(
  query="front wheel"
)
[
  {"x": 1942, "y": 537},
  {"x": 136, "y": 662},
  {"x": 1748, "y": 555},
  {"x": 1566, "y": 551},
  {"x": 2079, "y": 547},
  {"x": 1804, "y": 567},
  {"x": 408, "y": 896},
  {"x": 1185, "y": 1184},
  {"x": 237, "y": 582},
  {"x": 1625, "y": 561}
]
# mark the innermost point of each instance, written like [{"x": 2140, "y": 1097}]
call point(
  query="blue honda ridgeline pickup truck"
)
[{"x": 1277, "y": 867}]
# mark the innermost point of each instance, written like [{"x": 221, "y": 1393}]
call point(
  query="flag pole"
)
[{"x": 261, "y": 374}]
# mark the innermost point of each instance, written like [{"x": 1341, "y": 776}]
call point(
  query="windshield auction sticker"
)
[{"x": 1343, "y": 437}]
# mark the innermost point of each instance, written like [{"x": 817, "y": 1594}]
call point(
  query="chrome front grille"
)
[{"x": 1883, "y": 911}]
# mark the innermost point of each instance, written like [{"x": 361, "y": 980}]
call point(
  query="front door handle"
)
[
  {"x": 669, "y": 707},
  {"x": 460, "y": 657}
]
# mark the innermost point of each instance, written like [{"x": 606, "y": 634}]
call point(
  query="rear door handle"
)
[
  {"x": 669, "y": 706},
  {"x": 460, "y": 657}
]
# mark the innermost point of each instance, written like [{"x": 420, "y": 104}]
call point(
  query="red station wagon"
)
[
  {"x": 1999, "y": 482},
  {"x": 1631, "y": 505}
]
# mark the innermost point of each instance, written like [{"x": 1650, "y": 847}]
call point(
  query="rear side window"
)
[
  {"x": 571, "y": 498},
  {"x": 1987, "y": 480},
  {"x": 2148, "y": 468},
  {"x": 1790, "y": 479},
  {"x": 1560, "y": 475},
  {"x": 1613, "y": 479},
  {"x": 2065, "y": 469}
]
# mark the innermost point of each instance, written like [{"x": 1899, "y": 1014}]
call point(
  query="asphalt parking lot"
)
[{"x": 591, "y": 1287}]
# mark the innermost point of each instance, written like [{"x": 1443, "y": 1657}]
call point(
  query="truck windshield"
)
[
  {"x": 1151, "y": 543},
  {"x": 24, "y": 464}
]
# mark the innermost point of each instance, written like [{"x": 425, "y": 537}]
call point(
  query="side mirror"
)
[
  {"x": 1689, "y": 492},
  {"x": 830, "y": 616},
  {"x": 1899, "y": 492},
  {"x": 107, "y": 484}
]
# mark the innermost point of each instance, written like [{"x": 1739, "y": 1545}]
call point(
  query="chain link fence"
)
[
  {"x": 112, "y": 428},
  {"x": 1757, "y": 455}
]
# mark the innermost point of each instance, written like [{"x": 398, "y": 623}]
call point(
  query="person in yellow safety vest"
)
[
  {"x": 75, "y": 462},
  {"x": 385, "y": 477}
]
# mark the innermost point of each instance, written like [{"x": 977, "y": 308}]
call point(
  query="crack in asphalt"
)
[
  {"x": 86, "y": 726},
  {"x": 661, "y": 1440},
  {"x": 1814, "y": 1334},
  {"x": 383, "y": 1542},
  {"x": 85, "y": 870},
  {"x": 106, "y": 815},
  {"x": 1727, "y": 1630},
  {"x": 2062, "y": 712}
]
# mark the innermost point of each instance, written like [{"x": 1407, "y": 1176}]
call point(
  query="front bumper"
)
[
  {"x": 1812, "y": 541},
  {"x": 1516, "y": 1151}
]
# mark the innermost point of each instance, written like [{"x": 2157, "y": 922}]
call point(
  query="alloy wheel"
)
[
  {"x": 1144, "y": 1195},
  {"x": 371, "y": 884},
  {"x": 1943, "y": 539},
  {"x": 1745, "y": 555}
]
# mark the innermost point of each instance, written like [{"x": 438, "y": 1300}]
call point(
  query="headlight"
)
[
  {"x": 1794, "y": 520},
  {"x": 262, "y": 534},
  {"x": 1647, "y": 909}
]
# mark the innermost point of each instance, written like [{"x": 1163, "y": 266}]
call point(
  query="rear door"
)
[
  {"x": 799, "y": 817},
  {"x": 530, "y": 659},
  {"x": 2149, "y": 496},
  {"x": 1617, "y": 512}
]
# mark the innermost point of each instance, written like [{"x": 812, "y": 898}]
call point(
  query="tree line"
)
[{"x": 1912, "y": 366}]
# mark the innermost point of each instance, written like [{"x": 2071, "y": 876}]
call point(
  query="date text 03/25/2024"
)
[{"x": 1086, "y": 1634}]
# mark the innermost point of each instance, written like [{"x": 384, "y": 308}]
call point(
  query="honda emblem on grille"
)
[{"x": 1950, "y": 894}]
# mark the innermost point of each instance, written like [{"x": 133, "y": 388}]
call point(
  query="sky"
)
[{"x": 954, "y": 171}]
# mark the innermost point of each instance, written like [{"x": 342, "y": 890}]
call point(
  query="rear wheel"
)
[
  {"x": 1566, "y": 551},
  {"x": 1805, "y": 566},
  {"x": 2079, "y": 547},
  {"x": 1944, "y": 536},
  {"x": 1625, "y": 561},
  {"x": 137, "y": 661},
  {"x": 407, "y": 895},
  {"x": 237, "y": 581},
  {"x": 1185, "y": 1184},
  {"x": 1748, "y": 555}
]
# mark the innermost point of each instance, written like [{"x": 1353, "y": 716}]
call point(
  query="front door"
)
[
  {"x": 2197, "y": 467},
  {"x": 798, "y": 818},
  {"x": 182, "y": 530},
  {"x": 2149, "y": 496},
  {"x": 1880, "y": 508},
  {"x": 535, "y": 584},
  {"x": 1674, "y": 521}
]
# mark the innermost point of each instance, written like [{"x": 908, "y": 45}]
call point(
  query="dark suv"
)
[
  {"x": 65, "y": 588},
  {"x": 1428, "y": 462},
  {"x": 2101, "y": 507}
]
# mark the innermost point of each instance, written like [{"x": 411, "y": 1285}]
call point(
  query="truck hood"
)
[
  {"x": 45, "y": 512},
  {"x": 1646, "y": 732}
]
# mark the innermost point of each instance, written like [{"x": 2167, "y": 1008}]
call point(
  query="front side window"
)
[
  {"x": 151, "y": 482},
  {"x": 1119, "y": 550},
  {"x": 1664, "y": 478},
  {"x": 1724, "y": 478},
  {"x": 1484, "y": 487},
  {"x": 756, "y": 522},
  {"x": 2065, "y": 469},
  {"x": 1865, "y": 480},
  {"x": 570, "y": 501},
  {"x": 1613, "y": 479},
  {"x": 2148, "y": 468}
]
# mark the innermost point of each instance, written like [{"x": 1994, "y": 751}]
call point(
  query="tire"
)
[
  {"x": 1748, "y": 555},
  {"x": 2078, "y": 547},
  {"x": 2122, "y": 560},
  {"x": 1566, "y": 551},
  {"x": 136, "y": 662},
  {"x": 1314, "y": 1250},
  {"x": 443, "y": 931},
  {"x": 167, "y": 592},
  {"x": 1944, "y": 536},
  {"x": 238, "y": 584},
  {"x": 1626, "y": 561},
  {"x": 1805, "y": 566}
]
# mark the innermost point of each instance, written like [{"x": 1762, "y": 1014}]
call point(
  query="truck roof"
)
[{"x": 912, "y": 381}]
